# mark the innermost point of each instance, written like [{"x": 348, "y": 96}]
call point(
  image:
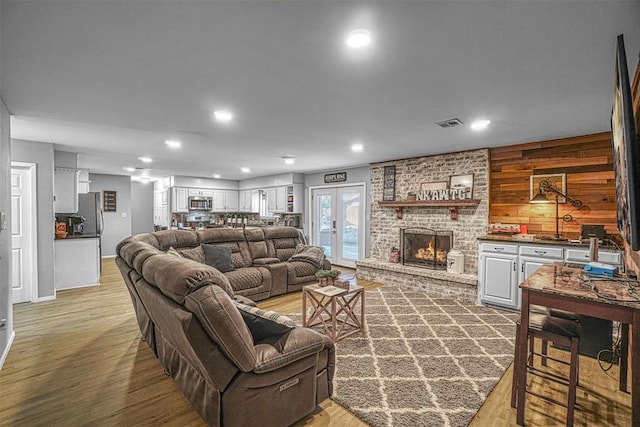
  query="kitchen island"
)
[{"x": 77, "y": 261}]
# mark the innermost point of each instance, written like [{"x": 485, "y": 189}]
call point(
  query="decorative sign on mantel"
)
[
  {"x": 335, "y": 177},
  {"x": 459, "y": 187}
]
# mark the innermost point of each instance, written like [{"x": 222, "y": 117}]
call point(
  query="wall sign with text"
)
[
  {"x": 335, "y": 177},
  {"x": 109, "y": 201}
]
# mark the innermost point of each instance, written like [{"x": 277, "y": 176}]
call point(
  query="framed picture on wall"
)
[
  {"x": 109, "y": 201},
  {"x": 558, "y": 180},
  {"x": 463, "y": 183},
  {"x": 389, "y": 184}
]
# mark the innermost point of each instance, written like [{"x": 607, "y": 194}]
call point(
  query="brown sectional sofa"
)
[{"x": 187, "y": 314}]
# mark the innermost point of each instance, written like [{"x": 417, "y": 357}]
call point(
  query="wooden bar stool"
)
[{"x": 560, "y": 331}]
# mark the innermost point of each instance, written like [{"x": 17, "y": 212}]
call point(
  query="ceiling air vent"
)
[{"x": 449, "y": 123}]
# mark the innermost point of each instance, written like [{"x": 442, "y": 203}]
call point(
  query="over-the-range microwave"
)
[{"x": 198, "y": 203}]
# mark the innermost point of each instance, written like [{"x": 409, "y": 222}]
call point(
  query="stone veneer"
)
[{"x": 471, "y": 224}]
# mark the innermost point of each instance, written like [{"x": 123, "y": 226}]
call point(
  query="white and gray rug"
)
[{"x": 423, "y": 361}]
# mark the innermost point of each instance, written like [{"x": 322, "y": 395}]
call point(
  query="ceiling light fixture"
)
[
  {"x": 480, "y": 124},
  {"x": 358, "y": 38},
  {"x": 357, "y": 148},
  {"x": 289, "y": 160},
  {"x": 216, "y": 175},
  {"x": 129, "y": 169},
  {"x": 173, "y": 143},
  {"x": 145, "y": 159},
  {"x": 223, "y": 116},
  {"x": 245, "y": 170}
]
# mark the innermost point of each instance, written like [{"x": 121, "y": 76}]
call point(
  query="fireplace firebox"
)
[{"x": 425, "y": 247}]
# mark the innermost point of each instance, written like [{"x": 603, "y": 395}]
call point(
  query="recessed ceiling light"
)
[
  {"x": 357, "y": 148},
  {"x": 216, "y": 175},
  {"x": 145, "y": 179},
  {"x": 358, "y": 38},
  {"x": 130, "y": 169},
  {"x": 145, "y": 159},
  {"x": 223, "y": 116},
  {"x": 173, "y": 143},
  {"x": 480, "y": 124},
  {"x": 289, "y": 160},
  {"x": 245, "y": 170}
]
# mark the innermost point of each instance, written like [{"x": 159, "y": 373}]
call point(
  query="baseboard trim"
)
[
  {"x": 6, "y": 351},
  {"x": 49, "y": 298}
]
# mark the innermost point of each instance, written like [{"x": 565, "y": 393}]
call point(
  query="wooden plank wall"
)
[{"x": 587, "y": 163}]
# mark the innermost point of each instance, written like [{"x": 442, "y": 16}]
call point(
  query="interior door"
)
[
  {"x": 23, "y": 247},
  {"x": 338, "y": 223}
]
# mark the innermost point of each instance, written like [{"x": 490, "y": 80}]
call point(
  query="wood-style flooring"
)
[{"x": 79, "y": 361}]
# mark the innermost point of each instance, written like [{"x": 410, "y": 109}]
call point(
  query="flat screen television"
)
[{"x": 626, "y": 153}]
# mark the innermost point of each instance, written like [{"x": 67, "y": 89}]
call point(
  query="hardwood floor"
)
[{"x": 79, "y": 360}]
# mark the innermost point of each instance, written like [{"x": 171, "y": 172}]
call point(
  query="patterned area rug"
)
[{"x": 424, "y": 361}]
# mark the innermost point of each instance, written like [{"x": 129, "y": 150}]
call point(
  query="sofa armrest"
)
[
  {"x": 276, "y": 352},
  {"x": 265, "y": 261},
  {"x": 244, "y": 300}
]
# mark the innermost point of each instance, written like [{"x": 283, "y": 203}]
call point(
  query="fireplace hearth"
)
[{"x": 425, "y": 247}]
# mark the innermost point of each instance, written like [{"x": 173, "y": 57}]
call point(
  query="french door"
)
[{"x": 338, "y": 223}]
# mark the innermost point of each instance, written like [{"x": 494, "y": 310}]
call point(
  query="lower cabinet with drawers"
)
[{"x": 503, "y": 266}]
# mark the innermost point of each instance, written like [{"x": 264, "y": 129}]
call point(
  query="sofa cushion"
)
[
  {"x": 176, "y": 238},
  {"x": 264, "y": 323},
  {"x": 218, "y": 257},
  {"x": 224, "y": 324},
  {"x": 178, "y": 277},
  {"x": 174, "y": 252},
  {"x": 195, "y": 254},
  {"x": 247, "y": 278},
  {"x": 314, "y": 255}
]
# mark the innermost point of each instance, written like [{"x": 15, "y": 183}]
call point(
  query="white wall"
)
[
  {"x": 117, "y": 225},
  {"x": 6, "y": 309},
  {"x": 141, "y": 208},
  {"x": 41, "y": 153}
]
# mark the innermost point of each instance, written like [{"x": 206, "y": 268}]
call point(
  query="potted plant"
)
[
  {"x": 327, "y": 277},
  {"x": 411, "y": 196}
]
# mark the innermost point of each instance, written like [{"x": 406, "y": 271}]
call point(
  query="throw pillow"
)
[
  {"x": 264, "y": 323},
  {"x": 172, "y": 251},
  {"x": 218, "y": 257},
  {"x": 195, "y": 254}
]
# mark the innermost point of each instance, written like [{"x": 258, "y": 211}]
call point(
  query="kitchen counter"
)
[
  {"x": 508, "y": 238},
  {"x": 80, "y": 236}
]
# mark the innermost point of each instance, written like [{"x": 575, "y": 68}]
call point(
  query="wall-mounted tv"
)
[{"x": 626, "y": 153}]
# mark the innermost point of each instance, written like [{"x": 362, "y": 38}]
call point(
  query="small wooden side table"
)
[{"x": 335, "y": 312}]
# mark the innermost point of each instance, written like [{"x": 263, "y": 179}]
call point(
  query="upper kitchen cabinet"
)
[
  {"x": 179, "y": 200},
  {"x": 285, "y": 199},
  {"x": 83, "y": 181},
  {"x": 65, "y": 190},
  {"x": 225, "y": 201},
  {"x": 248, "y": 200}
]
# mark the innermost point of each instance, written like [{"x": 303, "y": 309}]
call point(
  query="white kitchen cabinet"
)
[
  {"x": 281, "y": 199},
  {"x": 179, "y": 199},
  {"x": 295, "y": 192},
  {"x": 531, "y": 257},
  {"x": 65, "y": 190},
  {"x": 200, "y": 192},
  {"x": 77, "y": 263},
  {"x": 271, "y": 200},
  {"x": 225, "y": 201},
  {"x": 245, "y": 201},
  {"x": 83, "y": 181},
  {"x": 161, "y": 214},
  {"x": 498, "y": 275},
  {"x": 606, "y": 256}
]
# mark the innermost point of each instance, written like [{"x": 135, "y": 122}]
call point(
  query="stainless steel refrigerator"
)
[{"x": 90, "y": 208}]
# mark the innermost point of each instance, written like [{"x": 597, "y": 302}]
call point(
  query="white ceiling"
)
[{"x": 113, "y": 80}]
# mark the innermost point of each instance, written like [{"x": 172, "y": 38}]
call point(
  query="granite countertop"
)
[
  {"x": 80, "y": 236},
  {"x": 561, "y": 280},
  {"x": 508, "y": 238}
]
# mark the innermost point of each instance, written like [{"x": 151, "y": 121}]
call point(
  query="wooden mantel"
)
[{"x": 453, "y": 205}]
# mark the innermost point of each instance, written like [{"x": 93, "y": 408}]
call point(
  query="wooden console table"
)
[{"x": 336, "y": 313}]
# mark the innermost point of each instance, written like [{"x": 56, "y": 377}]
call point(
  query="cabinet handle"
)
[
  {"x": 498, "y": 249},
  {"x": 522, "y": 267},
  {"x": 514, "y": 266},
  {"x": 540, "y": 252}
]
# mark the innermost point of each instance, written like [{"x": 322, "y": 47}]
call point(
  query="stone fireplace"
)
[
  {"x": 425, "y": 247},
  {"x": 413, "y": 176}
]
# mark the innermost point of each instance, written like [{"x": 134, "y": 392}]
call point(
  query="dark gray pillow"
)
[
  {"x": 264, "y": 323},
  {"x": 218, "y": 257}
]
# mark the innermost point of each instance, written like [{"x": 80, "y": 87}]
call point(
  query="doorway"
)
[
  {"x": 23, "y": 232},
  {"x": 337, "y": 223}
]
